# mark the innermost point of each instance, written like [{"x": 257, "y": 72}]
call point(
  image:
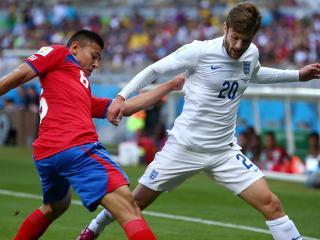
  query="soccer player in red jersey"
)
[{"x": 67, "y": 152}]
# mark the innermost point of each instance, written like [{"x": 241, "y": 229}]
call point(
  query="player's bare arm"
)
[
  {"x": 309, "y": 72},
  {"x": 20, "y": 75},
  {"x": 116, "y": 110},
  {"x": 149, "y": 98}
]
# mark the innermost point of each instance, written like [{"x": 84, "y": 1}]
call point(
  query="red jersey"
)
[{"x": 66, "y": 104}]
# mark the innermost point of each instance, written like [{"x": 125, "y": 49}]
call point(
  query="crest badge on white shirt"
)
[{"x": 246, "y": 67}]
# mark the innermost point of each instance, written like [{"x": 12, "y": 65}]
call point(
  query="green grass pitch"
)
[{"x": 199, "y": 197}]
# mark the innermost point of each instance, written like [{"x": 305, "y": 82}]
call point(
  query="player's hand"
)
[
  {"x": 309, "y": 72},
  {"x": 116, "y": 110},
  {"x": 116, "y": 121},
  {"x": 177, "y": 82}
]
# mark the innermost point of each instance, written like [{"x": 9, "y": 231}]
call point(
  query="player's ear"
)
[
  {"x": 225, "y": 28},
  {"x": 74, "y": 48}
]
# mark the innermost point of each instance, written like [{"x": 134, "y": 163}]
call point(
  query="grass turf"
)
[{"x": 199, "y": 197}]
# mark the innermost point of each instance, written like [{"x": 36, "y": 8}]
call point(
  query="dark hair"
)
[
  {"x": 84, "y": 36},
  {"x": 244, "y": 18},
  {"x": 314, "y": 135},
  {"x": 271, "y": 134}
]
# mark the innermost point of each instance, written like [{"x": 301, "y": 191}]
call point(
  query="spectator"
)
[
  {"x": 11, "y": 136},
  {"x": 9, "y": 105},
  {"x": 160, "y": 136},
  {"x": 243, "y": 141},
  {"x": 21, "y": 100},
  {"x": 250, "y": 144},
  {"x": 32, "y": 99},
  {"x": 32, "y": 104},
  {"x": 136, "y": 40},
  {"x": 313, "y": 161},
  {"x": 153, "y": 118},
  {"x": 273, "y": 157},
  {"x": 314, "y": 148},
  {"x": 147, "y": 145},
  {"x": 254, "y": 144}
]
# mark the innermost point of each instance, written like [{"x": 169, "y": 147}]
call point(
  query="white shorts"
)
[{"x": 175, "y": 163}]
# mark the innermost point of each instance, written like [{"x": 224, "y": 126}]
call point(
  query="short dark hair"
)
[
  {"x": 314, "y": 135},
  {"x": 84, "y": 36},
  {"x": 270, "y": 134},
  {"x": 244, "y": 18}
]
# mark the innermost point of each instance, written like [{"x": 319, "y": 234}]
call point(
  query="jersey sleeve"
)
[
  {"x": 183, "y": 59},
  {"x": 255, "y": 71},
  {"x": 47, "y": 59},
  {"x": 99, "y": 107},
  {"x": 266, "y": 75}
]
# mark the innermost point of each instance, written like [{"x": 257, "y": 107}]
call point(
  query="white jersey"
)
[{"x": 213, "y": 88}]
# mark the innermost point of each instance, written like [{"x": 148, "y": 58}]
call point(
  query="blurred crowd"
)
[
  {"x": 135, "y": 38},
  {"x": 26, "y": 98},
  {"x": 269, "y": 155}
]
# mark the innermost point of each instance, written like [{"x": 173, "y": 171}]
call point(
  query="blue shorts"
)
[{"x": 87, "y": 168}]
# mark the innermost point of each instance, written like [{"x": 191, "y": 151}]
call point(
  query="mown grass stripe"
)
[{"x": 160, "y": 215}]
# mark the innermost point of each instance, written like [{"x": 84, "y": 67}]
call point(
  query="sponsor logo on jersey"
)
[
  {"x": 246, "y": 67},
  {"x": 215, "y": 67},
  {"x": 154, "y": 174},
  {"x": 44, "y": 51}
]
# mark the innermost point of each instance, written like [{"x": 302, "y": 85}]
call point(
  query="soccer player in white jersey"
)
[{"x": 202, "y": 139}]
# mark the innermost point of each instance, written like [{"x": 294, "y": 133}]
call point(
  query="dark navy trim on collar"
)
[{"x": 70, "y": 58}]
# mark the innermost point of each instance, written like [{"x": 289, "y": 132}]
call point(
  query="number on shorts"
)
[{"x": 245, "y": 161}]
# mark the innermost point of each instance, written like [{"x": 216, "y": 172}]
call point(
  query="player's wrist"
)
[
  {"x": 177, "y": 82},
  {"x": 120, "y": 98},
  {"x": 172, "y": 84}
]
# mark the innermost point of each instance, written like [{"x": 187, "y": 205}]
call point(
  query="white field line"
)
[{"x": 161, "y": 215}]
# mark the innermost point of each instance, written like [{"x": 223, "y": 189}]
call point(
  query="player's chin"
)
[{"x": 235, "y": 55}]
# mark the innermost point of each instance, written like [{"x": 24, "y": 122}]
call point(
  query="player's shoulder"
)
[
  {"x": 211, "y": 46},
  {"x": 199, "y": 45},
  {"x": 206, "y": 43},
  {"x": 253, "y": 49},
  {"x": 251, "y": 53},
  {"x": 52, "y": 49},
  {"x": 213, "y": 42},
  {"x": 189, "y": 48},
  {"x": 194, "y": 44}
]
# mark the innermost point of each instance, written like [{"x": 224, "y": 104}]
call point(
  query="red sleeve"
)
[
  {"x": 47, "y": 58},
  {"x": 99, "y": 107}
]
